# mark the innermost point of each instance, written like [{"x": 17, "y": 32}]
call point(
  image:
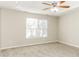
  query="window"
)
[{"x": 36, "y": 28}]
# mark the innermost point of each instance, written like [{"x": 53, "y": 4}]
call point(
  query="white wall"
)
[
  {"x": 69, "y": 28},
  {"x": 13, "y": 29},
  {"x": 0, "y": 28}
]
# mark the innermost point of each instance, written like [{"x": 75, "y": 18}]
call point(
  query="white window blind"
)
[{"x": 36, "y": 28}]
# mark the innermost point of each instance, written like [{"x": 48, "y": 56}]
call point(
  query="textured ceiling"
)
[{"x": 37, "y": 6}]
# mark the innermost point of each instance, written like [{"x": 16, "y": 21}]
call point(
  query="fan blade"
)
[
  {"x": 47, "y": 4},
  {"x": 64, "y": 6},
  {"x": 46, "y": 8},
  {"x": 61, "y": 2}
]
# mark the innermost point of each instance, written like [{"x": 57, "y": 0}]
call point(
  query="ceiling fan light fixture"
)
[{"x": 55, "y": 9}]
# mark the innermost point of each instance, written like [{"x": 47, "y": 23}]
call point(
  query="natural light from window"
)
[{"x": 36, "y": 28}]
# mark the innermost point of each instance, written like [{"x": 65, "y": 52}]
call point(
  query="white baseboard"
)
[
  {"x": 63, "y": 42},
  {"x": 70, "y": 44},
  {"x": 27, "y": 45}
]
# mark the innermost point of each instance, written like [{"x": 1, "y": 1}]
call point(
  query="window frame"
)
[{"x": 38, "y": 26}]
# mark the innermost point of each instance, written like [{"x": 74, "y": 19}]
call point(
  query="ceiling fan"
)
[{"x": 55, "y": 5}]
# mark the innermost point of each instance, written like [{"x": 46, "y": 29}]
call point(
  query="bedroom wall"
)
[
  {"x": 69, "y": 28},
  {"x": 0, "y": 28},
  {"x": 13, "y": 29}
]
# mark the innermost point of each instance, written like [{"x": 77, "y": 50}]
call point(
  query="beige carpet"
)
[{"x": 43, "y": 50}]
